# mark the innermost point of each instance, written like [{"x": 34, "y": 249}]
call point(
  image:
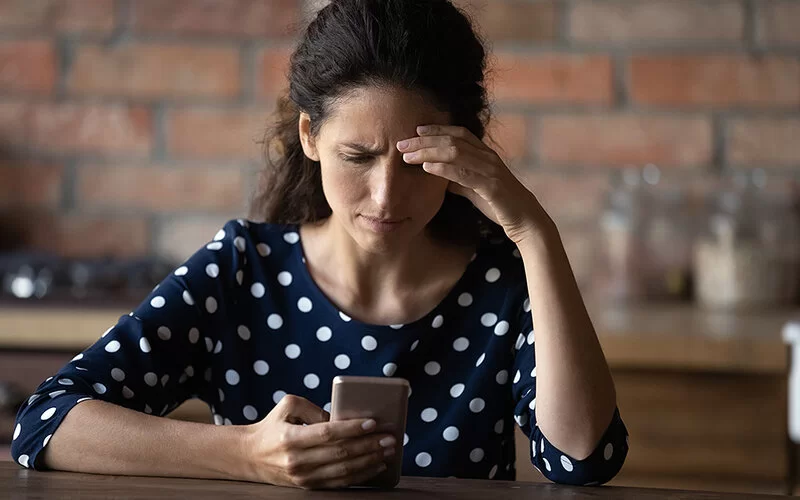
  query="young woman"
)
[{"x": 396, "y": 244}]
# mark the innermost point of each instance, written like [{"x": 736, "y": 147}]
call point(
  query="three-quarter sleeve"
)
[
  {"x": 153, "y": 359},
  {"x": 609, "y": 454}
]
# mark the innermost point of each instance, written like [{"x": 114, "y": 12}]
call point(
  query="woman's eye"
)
[{"x": 356, "y": 159}]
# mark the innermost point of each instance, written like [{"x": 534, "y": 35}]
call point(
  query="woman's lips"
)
[{"x": 382, "y": 225}]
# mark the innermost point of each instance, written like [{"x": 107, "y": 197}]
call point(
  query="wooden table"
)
[{"x": 18, "y": 483}]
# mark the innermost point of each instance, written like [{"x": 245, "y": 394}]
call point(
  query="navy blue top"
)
[{"x": 241, "y": 324}]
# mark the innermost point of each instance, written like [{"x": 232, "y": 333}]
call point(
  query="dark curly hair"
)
[{"x": 427, "y": 46}]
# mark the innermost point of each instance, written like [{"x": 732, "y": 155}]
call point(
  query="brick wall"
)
[{"x": 141, "y": 116}]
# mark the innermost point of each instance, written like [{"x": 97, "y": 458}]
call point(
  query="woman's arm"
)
[{"x": 575, "y": 395}]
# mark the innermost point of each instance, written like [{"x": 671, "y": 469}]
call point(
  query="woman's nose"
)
[{"x": 388, "y": 182}]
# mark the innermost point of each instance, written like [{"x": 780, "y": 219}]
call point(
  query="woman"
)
[{"x": 398, "y": 244}]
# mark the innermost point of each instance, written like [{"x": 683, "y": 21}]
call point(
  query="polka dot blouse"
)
[{"x": 242, "y": 324}]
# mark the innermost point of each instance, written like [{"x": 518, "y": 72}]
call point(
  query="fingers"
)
[
  {"x": 298, "y": 410},
  {"x": 452, "y": 130},
  {"x": 328, "y": 432},
  {"x": 384, "y": 444},
  {"x": 343, "y": 473}
]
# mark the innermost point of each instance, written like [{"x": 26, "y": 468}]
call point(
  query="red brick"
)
[
  {"x": 621, "y": 139},
  {"x": 246, "y": 18},
  {"x": 579, "y": 241},
  {"x": 779, "y": 22},
  {"x": 179, "y": 238},
  {"x": 30, "y": 185},
  {"x": 567, "y": 197},
  {"x": 513, "y": 20},
  {"x": 766, "y": 142},
  {"x": 156, "y": 70},
  {"x": 216, "y": 133},
  {"x": 76, "y": 128},
  {"x": 511, "y": 134},
  {"x": 553, "y": 78},
  {"x": 656, "y": 20},
  {"x": 715, "y": 80},
  {"x": 95, "y": 16},
  {"x": 27, "y": 66},
  {"x": 161, "y": 188},
  {"x": 273, "y": 74}
]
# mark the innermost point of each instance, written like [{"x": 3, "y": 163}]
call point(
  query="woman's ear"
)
[{"x": 306, "y": 139}]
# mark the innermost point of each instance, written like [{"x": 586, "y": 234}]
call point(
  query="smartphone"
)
[{"x": 384, "y": 399}]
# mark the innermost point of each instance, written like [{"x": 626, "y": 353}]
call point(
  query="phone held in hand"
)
[{"x": 384, "y": 399}]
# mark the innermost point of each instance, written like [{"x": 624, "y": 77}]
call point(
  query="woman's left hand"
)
[{"x": 477, "y": 173}]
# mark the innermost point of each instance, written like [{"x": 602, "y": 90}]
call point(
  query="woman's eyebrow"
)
[{"x": 363, "y": 148}]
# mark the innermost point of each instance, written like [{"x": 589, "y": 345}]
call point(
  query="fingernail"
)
[
  {"x": 423, "y": 129},
  {"x": 368, "y": 425},
  {"x": 388, "y": 452},
  {"x": 409, "y": 157},
  {"x": 381, "y": 467},
  {"x": 402, "y": 145},
  {"x": 387, "y": 441}
]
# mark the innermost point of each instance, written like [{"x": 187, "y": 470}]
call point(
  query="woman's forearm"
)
[
  {"x": 100, "y": 437},
  {"x": 575, "y": 395}
]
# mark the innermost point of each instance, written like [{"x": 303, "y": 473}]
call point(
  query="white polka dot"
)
[
  {"x": 389, "y": 369},
  {"x": 48, "y": 413},
  {"x": 46, "y": 440},
  {"x": 369, "y": 343},
  {"x": 465, "y": 299},
  {"x": 243, "y": 332},
  {"x": 527, "y": 305},
  {"x": 274, "y": 321},
  {"x": 33, "y": 398},
  {"x": 150, "y": 379},
  {"x": 501, "y": 328},
  {"x": 117, "y": 374},
  {"x": 239, "y": 243},
  {"x": 239, "y": 276},
  {"x": 232, "y": 377},
  {"x": 396, "y": 327},
  {"x": 23, "y": 460},
  {"x": 292, "y": 351},
  {"x": 277, "y": 396},
  {"x": 56, "y": 394},
  {"x": 501, "y": 377},
  {"x": 342, "y": 361},
  {"x": 194, "y": 335},
  {"x": 429, "y": 414},
  {"x": 164, "y": 380},
  {"x": 516, "y": 253},
  {"x": 250, "y": 413},
  {"x": 65, "y": 381},
  {"x": 533, "y": 448},
  {"x": 263, "y": 249},
  {"x": 517, "y": 376},
  {"x": 182, "y": 271},
  {"x": 324, "y": 334},
  {"x": 608, "y": 451},
  {"x": 126, "y": 392},
  {"x": 17, "y": 430},
  {"x": 211, "y": 305},
  {"x": 218, "y": 420},
  {"x": 164, "y": 333},
  {"x": 113, "y": 346},
  {"x": 477, "y": 405},
  {"x": 327, "y": 407},
  {"x": 209, "y": 344},
  {"x": 257, "y": 290},
  {"x": 493, "y": 472},
  {"x": 221, "y": 396},
  {"x": 461, "y": 344},
  {"x": 433, "y": 368},
  {"x": 566, "y": 464},
  {"x": 438, "y": 321},
  {"x": 521, "y": 419},
  {"x": 304, "y": 304},
  {"x": 285, "y": 278},
  {"x": 405, "y": 439},
  {"x": 218, "y": 347},
  {"x": 106, "y": 332},
  {"x": 217, "y": 245},
  {"x": 78, "y": 357},
  {"x": 489, "y": 319},
  {"x": 492, "y": 275},
  {"x": 212, "y": 270},
  {"x": 541, "y": 448},
  {"x": 311, "y": 381},
  {"x": 220, "y": 235},
  {"x": 99, "y": 388},
  {"x": 423, "y": 459},
  {"x": 261, "y": 367},
  {"x": 499, "y": 425},
  {"x": 476, "y": 455},
  {"x": 480, "y": 360},
  {"x": 531, "y": 338},
  {"x": 291, "y": 237},
  {"x": 546, "y": 464},
  {"x": 457, "y": 390},
  {"x": 414, "y": 345},
  {"x": 450, "y": 434},
  {"x": 532, "y": 404},
  {"x": 520, "y": 341},
  {"x": 187, "y": 297},
  {"x": 533, "y": 372},
  {"x": 344, "y": 316}
]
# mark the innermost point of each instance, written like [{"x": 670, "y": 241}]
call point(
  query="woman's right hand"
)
[{"x": 281, "y": 450}]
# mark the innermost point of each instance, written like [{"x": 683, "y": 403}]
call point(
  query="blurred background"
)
[{"x": 663, "y": 136}]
